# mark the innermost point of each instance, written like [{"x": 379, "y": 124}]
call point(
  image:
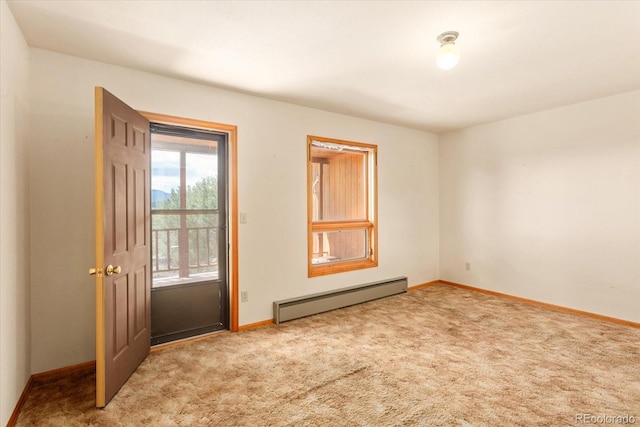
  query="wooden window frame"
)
[{"x": 371, "y": 208}]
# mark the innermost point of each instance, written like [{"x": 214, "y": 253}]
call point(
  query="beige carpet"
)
[{"x": 434, "y": 356}]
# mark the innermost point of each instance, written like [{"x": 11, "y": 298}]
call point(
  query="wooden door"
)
[{"x": 123, "y": 278}]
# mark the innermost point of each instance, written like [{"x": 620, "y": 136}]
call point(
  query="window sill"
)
[{"x": 316, "y": 270}]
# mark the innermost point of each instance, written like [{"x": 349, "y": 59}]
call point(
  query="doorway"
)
[{"x": 189, "y": 233}]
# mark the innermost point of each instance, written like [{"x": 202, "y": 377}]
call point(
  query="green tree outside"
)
[{"x": 202, "y": 228}]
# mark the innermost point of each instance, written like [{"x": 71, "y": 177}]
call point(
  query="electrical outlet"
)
[
  {"x": 244, "y": 296},
  {"x": 467, "y": 266},
  {"x": 243, "y": 217}
]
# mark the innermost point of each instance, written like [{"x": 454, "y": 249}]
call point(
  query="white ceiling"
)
[{"x": 370, "y": 59}]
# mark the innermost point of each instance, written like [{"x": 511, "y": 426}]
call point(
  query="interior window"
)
[{"x": 341, "y": 180}]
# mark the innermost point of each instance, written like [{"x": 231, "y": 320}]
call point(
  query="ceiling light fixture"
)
[{"x": 448, "y": 55}]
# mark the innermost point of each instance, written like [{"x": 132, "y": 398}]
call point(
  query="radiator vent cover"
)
[{"x": 295, "y": 308}]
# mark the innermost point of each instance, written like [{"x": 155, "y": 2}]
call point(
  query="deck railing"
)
[{"x": 184, "y": 249}]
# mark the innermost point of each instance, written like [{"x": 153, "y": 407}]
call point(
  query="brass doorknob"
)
[{"x": 112, "y": 270}]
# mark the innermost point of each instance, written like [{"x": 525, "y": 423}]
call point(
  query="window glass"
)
[
  {"x": 339, "y": 245},
  {"x": 184, "y": 213},
  {"x": 165, "y": 173},
  {"x": 202, "y": 183},
  {"x": 339, "y": 185}
]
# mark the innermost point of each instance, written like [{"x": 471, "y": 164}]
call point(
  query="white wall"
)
[
  {"x": 547, "y": 206},
  {"x": 272, "y": 191},
  {"x": 15, "y": 338},
  {"x": 544, "y": 206}
]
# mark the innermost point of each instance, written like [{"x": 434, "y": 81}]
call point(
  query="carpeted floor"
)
[{"x": 437, "y": 356}]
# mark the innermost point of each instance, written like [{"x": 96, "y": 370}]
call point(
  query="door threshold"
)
[{"x": 184, "y": 341}]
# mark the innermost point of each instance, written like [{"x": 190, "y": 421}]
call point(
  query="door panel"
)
[
  {"x": 187, "y": 310},
  {"x": 139, "y": 214},
  {"x": 123, "y": 295},
  {"x": 120, "y": 291},
  {"x": 119, "y": 192}
]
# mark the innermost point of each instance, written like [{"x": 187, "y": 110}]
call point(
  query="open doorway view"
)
[{"x": 189, "y": 293}]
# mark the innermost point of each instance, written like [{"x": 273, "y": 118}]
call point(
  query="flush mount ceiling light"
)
[{"x": 448, "y": 55}]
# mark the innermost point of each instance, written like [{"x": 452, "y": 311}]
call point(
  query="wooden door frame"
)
[
  {"x": 232, "y": 182},
  {"x": 99, "y": 262}
]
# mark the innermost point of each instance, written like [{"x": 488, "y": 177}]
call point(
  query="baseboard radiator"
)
[{"x": 295, "y": 308}]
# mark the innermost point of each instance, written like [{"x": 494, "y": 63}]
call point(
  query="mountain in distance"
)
[{"x": 158, "y": 196}]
